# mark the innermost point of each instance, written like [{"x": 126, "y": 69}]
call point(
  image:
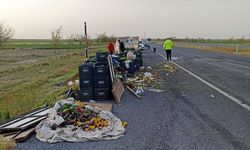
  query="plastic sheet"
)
[{"x": 72, "y": 133}]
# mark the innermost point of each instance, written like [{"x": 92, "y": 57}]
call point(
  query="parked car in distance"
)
[{"x": 141, "y": 45}]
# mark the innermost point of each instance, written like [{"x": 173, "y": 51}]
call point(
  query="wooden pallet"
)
[
  {"x": 23, "y": 126},
  {"x": 118, "y": 90}
]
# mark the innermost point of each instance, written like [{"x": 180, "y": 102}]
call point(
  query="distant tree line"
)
[
  {"x": 104, "y": 38},
  {"x": 231, "y": 40}
]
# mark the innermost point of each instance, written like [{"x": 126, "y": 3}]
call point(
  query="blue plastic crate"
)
[
  {"x": 102, "y": 82},
  {"x": 85, "y": 82}
]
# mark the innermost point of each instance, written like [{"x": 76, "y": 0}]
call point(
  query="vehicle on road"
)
[
  {"x": 130, "y": 42},
  {"x": 141, "y": 45}
]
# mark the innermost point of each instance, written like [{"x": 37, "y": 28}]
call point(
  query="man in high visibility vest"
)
[{"x": 168, "y": 46}]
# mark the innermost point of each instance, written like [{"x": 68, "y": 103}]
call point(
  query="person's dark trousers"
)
[{"x": 168, "y": 53}]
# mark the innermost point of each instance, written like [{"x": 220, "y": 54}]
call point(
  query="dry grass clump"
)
[{"x": 6, "y": 144}]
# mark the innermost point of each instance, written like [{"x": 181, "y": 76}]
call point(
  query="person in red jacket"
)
[{"x": 111, "y": 48}]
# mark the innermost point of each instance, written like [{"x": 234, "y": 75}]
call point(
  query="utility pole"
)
[
  {"x": 237, "y": 48},
  {"x": 86, "y": 40}
]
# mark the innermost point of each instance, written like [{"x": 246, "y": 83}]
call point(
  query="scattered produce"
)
[
  {"x": 124, "y": 124},
  {"x": 146, "y": 80},
  {"x": 82, "y": 116},
  {"x": 123, "y": 58},
  {"x": 78, "y": 122},
  {"x": 168, "y": 67}
]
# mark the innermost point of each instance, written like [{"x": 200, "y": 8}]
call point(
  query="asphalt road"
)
[
  {"x": 188, "y": 115},
  {"x": 240, "y": 46}
]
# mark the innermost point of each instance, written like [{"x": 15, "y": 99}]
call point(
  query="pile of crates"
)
[
  {"x": 94, "y": 79},
  {"x": 133, "y": 65}
]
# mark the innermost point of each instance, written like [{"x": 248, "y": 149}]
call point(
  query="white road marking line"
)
[{"x": 247, "y": 107}]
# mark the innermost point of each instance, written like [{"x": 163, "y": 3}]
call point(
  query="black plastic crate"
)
[
  {"x": 138, "y": 54},
  {"x": 123, "y": 65},
  {"x": 86, "y": 69},
  {"x": 141, "y": 62},
  {"x": 101, "y": 70},
  {"x": 86, "y": 94},
  {"x": 131, "y": 71},
  {"x": 91, "y": 59},
  {"x": 102, "y": 94},
  {"x": 105, "y": 61},
  {"x": 132, "y": 68},
  {"x": 102, "y": 82},
  {"x": 85, "y": 82},
  {"x": 137, "y": 65},
  {"x": 102, "y": 56}
]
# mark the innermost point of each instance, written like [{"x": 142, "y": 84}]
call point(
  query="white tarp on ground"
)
[{"x": 71, "y": 133}]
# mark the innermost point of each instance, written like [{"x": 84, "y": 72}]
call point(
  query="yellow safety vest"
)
[{"x": 168, "y": 45}]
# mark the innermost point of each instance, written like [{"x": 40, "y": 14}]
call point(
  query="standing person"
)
[
  {"x": 168, "y": 46},
  {"x": 111, "y": 48},
  {"x": 121, "y": 46}
]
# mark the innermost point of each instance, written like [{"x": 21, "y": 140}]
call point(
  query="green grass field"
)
[
  {"x": 44, "y": 44},
  {"x": 218, "y": 41},
  {"x": 31, "y": 77}
]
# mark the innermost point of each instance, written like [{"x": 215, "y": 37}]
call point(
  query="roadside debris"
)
[
  {"x": 124, "y": 124},
  {"x": 20, "y": 128},
  {"x": 156, "y": 90},
  {"x": 118, "y": 90},
  {"x": 148, "y": 75},
  {"x": 139, "y": 90},
  {"x": 77, "y": 122},
  {"x": 167, "y": 67},
  {"x": 147, "y": 78},
  {"x": 133, "y": 92},
  {"x": 148, "y": 67}
]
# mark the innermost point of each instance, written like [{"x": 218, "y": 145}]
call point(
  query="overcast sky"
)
[{"x": 146, "y": 18}]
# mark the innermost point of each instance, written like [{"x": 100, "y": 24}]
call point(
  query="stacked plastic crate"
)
[
  {"x": 86, "y": 81},
  {"x": 138, "y": 61},
  {"x": 102, "y": 81},
  {"x": 95, "y": 82},
  {"x": 133, "y": 65}
]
